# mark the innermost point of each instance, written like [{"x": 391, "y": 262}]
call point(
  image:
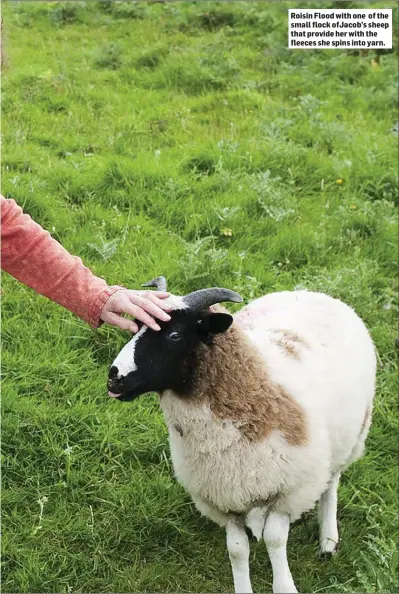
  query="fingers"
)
[
  {"x": 156, "y": 297},
  {"x": 122, "y": 323},
  {"x": 142, "y": 305},
  {"x": 150, "y": 306},
  {"x": 158, "y": 302},
  {"x": 160, "y": 294},
  {"x": 140, "y": 314}
]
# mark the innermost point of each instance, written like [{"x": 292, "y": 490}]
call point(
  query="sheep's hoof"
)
[
  {"x": 327, "y": 549},
  {"x": 325, "y": 555}
]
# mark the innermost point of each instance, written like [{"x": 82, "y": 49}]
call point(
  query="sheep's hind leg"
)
[
  {"x": 238, "y": 547},
  {"x": 328, "y": 519},
  {"x": 275, "y": 534}
]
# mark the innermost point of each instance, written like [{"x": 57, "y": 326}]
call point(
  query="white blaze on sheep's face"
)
[{"x": 125, "y": 362}]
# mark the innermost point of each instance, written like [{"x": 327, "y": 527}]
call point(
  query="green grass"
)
[{"x": 185, "y": 140}]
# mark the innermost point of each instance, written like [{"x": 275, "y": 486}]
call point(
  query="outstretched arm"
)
[{"x": 32, "y": 256}]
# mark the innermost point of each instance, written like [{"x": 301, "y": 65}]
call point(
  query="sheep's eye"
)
[{"x": 175, "y": 336}]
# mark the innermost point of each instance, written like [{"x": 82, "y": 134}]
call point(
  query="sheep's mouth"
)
[
  {"x": 126, "y": 397},
  {"x": 126, "y": 389}
]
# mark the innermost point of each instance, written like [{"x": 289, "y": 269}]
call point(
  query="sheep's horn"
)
[
  {"x": 159, "y": 282},
  {"x": 204, "y": 298}
]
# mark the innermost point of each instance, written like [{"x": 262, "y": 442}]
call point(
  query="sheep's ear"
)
[
  {"x": 215, "y": 323},
  {"x": 219, "y": 322}
]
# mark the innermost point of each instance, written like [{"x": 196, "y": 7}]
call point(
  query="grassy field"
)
[{"x": 185, "y": 140}]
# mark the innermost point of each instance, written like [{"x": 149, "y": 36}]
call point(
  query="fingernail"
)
[
  {"x": 165, "y": 317},
  {"x": 156, "y": 327}
]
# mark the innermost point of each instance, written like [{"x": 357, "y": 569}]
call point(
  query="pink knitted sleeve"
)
[{"x": 32, "y": 256}]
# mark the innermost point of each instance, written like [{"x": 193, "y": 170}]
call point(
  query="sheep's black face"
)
[{"x": 157, "y": 361}]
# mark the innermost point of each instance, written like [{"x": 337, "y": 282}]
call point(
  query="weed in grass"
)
[
  {"x": 65, "y": 14},
  {"x": 110, "y": 56}
]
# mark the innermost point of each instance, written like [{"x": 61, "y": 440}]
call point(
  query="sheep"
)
[{"x": 265, "y": 409}]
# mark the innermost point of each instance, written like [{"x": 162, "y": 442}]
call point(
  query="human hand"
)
[{"x": 138, "y": 304}]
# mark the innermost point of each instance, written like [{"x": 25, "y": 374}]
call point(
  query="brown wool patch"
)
[
  {"x": 290, "y": 342},
  {"x": 232, "y": 378}
]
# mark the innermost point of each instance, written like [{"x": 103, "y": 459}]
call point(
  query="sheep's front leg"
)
[
  {"x": 275, "y": 534},
  {"x": 238, "y": 547}
]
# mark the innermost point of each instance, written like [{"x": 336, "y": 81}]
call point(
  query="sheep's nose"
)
[
  {"x": 113, "y": 373},
  {"x": 113, "y": 379}
]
